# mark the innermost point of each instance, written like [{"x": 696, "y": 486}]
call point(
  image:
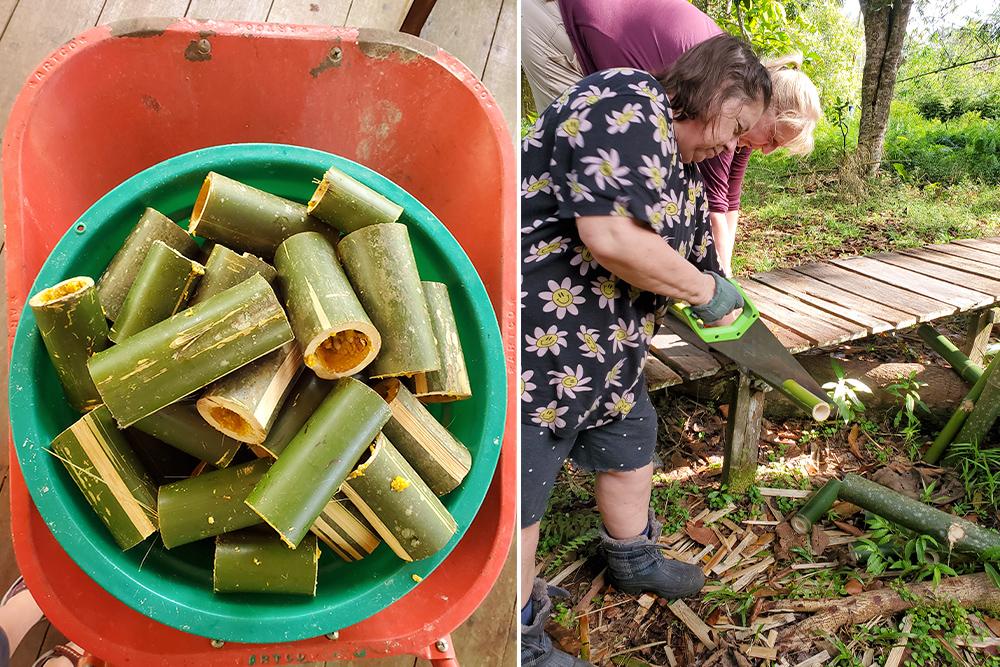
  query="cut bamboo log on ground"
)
[
  {"x": 73, "y": 328},
  {"x": 345, "y": 530},
  {"x": 985, "y": 413},
  {"x": 305, "y": 397},
  {"x": 244, "y": 218},
  {"x": 117, "y": 279},
  {"x": 380, "y": 263},
  {"x": 164, "y": 463},
  {"x": 224, "y": 269},
  {"x": 959, "y": 417},
  {"x": 318, "y": 459},
  {"x": 252, "y": 561},
  {"x": 347, "y": 204},
  {"x": 967, "y": 370},
  {"x": 814, "y": 509},
  {"x": 245, "y": 403},
  {"x": 451, "y": 381},
  {"x": 398, "y": 504},
  {"x": 189, "y": 350},
  {"x": 437, "y": 456},
  {"x": 950, "y": 531},
  {"x": 336, "y": 336},
  {"x": 107, "y": 471},
  {"x": 162, "y": 287},
  {"x": 210, "y": 504},
  {"x": 180, "y": 426}
]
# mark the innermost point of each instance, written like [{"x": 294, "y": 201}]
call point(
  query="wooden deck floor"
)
[{"x": 481, "y": 33}]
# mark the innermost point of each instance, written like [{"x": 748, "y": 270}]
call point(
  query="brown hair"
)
[{"x": 717, "y": 70}]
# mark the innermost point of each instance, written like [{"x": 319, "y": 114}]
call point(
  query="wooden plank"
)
[
  {"x": 658, "y": 375},
  {"x": 941, "y": 290},
  {"x": 968, "y": 252},
  {"x": 306, "y": 12},
  {"x": 950, "y": 274},
  {"x": 501, "y": 73},
  {"x": 817, "y": 326},
  {"x": 118, "y": 10},
  {"x": 457, "y": 26},
  {"x": 990, "y": 244},
  {"x": 384, "y": 14},
  {"x": 688, "y": 360},
  {"x": 229, "y": 10},
  {"x": 932, "y": 254}
]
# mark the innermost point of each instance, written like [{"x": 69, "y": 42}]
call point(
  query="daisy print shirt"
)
[{"x": 604, "y": 147}]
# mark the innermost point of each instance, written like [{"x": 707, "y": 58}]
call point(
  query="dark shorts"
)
[{"x": 627, "y": 444}]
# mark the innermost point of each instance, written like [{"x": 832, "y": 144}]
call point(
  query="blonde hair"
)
[{"x": 794, "y": 99}]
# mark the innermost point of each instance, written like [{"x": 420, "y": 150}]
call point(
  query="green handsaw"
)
[{"x": 749, "y": 343}]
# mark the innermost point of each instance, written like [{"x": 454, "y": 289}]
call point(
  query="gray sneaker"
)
[{"x": 536, "y": 647}]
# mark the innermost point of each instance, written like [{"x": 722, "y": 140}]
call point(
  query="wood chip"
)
[
  {"x": 897, "y": 652},
  {"x": 576, "y": 565},
  {"x": 733, "y": 559},
  {"x": 645, "y": 603},
  {"x": 814, "y": 566},
  {"x": 761, "y": 523},
  {"x": 762, "y": 543},
  {"x": 671, "y": 658},
  {"x": 693, "y": 622},
  {"x": 771, "y": 638},
  {"x": 733, "y": 528},
  {"x": 868, "y": 658},
  {"x": 784, "y": 493},
  {"x": 815, "y": 661},
  {"x": 716, "y": 559},
  {"x": 762, "y": 652},
  {"x": 752, "y": 573},
  {"x": 697, "y": 558}
]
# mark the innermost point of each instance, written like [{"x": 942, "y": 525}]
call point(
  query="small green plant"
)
[
  {"x": 907, "y": 389},
  {"x": 669, "y": 502},
  {"x": 738, "y": 603},
  {"x": 978, "y": 469},
  {"x": 562, "y": 614},
  {"x": 844, "y": 394}
]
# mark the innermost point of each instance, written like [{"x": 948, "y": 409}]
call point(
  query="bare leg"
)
[
  {"x": 623, "y": 501},
  {"x": 529, "y": 543}
]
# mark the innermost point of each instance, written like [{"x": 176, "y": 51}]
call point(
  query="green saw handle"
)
[{"x": 733, "y": 331}]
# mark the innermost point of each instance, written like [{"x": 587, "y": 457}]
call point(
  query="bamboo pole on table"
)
[
  {"x": 224, "y": 269},
  {"x": 110, "y": 476},
  {"x": 189, "y": 350},
  {"x": 347, "y": 204},
  {"x": 451, "y": 381},
  {"x": 958, "y": 418},
  {"x": 251, "y": 561},
  {"x": 344, "y": 530},
  {"x": 333, "y": 331},
  {"x": 305, "y": 397},
  {"x": 73, "y": 328},
  {"x": 180, "y": 426},
  {"x": 379, "y": 261},
  {"x": 967, "y": 370}
]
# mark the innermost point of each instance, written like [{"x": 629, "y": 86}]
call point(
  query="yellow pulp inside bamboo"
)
[
  {"x": 321, "y": 189},
  {"x": 61, "y": 290},
  {"x": 199, "y": 204},
  {"x": 342, "y": 351},
  {"x": 231, "y": 421}
]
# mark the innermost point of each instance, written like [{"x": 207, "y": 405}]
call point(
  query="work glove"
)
[{"x": 725, "y": 300}]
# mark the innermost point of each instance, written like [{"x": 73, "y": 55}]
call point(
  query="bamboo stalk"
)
[
  {"x": 243, "y": 217},
  {"x": 110, "y": 476},
  {"x": 957, "y": 420},
  {"x": 982, "y": 417},
  {"x": 967, "y": 370},
  {"x": 252, "y": 561},
  {"x": 164, "y": 463},
  {"x": 344, "y": 530},
  {"x": 245, "y": 403},
  {"x": 379, "y": 261},
  {"x": 117, "y": 279},
  {"x": 818, "y": 505},
  {"x": 162, "y": 287},
  {"x": 189, "y": 350},
  {"x": 305, "y": 397},
  {"x": 73, "y": 328},
  {"x": 397, "y": 503},
  {"x": 437, "y": 456},
  {"x": 318, "y": 459},
  {"x": 209, "y": 504},
  {"x": 348, "y": 205},
  {"x": 180, "y": 426},
  {"x": 814, "y": 405},
  {"x": 225, "y": 269},
  {"x": 335, "y": 335},
  {"x": 451, "y": 381}
]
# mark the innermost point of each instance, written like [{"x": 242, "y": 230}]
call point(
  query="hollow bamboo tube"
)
[
  {"x": 817, "y": 505},
  {"x": 162, "y": 287},
  {"x": 180, "y": 426},
  {"x": 107, "y": 471},
  {"x": 437, "y": 456},
  {"x": 73, "y": 328},
  {"x": 245, "y": 218},
  {"x": 817, "y": 408},
  {"x": 117, "y": 279},
  {"x": 252, "y": 561},
  {"x": 451, "y": 381},
  {"x": 960, "y": 363},
  {"x": 379, "y": 261},
  {"x": 397, "y": 503},
  {"x": 333, "y": 331},
  {"x": 318, "y": 459},
  {"x": 209, "y": 504},
  {"x": 224, "y": 269},
  {"x": 344, "y": 530},
  {"x": 192, "y": 349},
  {"x": 305, "y": 397},
  {"x": 348, "y": 205}
]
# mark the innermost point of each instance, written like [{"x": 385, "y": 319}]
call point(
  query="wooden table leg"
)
[
  {"x": 746, "y": 410},
  {"x": 978, "y": 336}
]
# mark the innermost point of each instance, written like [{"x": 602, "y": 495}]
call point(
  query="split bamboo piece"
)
[
  {"x": 107, "y": 471},
  {"x": 303, "y": 400},
  {"x": 245, "y": 218},
  {"x": 225, "y": 269},
  {"x": 189, "y": 350},
  {"x": 333, "y": 331},
  {"x": 348, "y": 205},
  {"x": 344, "y": 530},
  {"x": 437, "y": 456},
  {"x": 821, "y": 501},
  {"x": 451, "y": 381},
  {"x": 180, "y": 426},
  {"x": 73, "y": 328},
  {"x": 209, "y": 504},
  {"x": 252, "y": 561},
  {"x": 318, "y": 459},
  {"x": 117, "y": 279},
  {"x": 162, "y": 287},
  {"x": 245, "y": 403},
  {"x": 400, "y": 506},
  {"x": 380, "y": 263}
]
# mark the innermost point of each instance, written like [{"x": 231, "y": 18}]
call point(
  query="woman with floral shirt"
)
[{"x": 614, "y": 224}]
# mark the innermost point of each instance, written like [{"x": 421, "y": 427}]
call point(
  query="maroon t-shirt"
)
[{"x": 651, "y": 35}]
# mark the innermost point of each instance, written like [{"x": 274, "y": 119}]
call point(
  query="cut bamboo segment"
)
[
  {"x": 164, "y": 463},
  {"x": 245, "y": 403},
  {"x": 189, "y": 350},
  {"x": 73, "y": 328},
  {"x": 117, "y": 279},
  {"x": 303, "y": 400},
  {"x": 318, "y": 459},
  {"x": 335, "y": 335},
  {"x": 403, "y": 510},
  {"x": 451, "y": 381},
  {"x": 225, "y": 269},
  {"x": 209, "y": 504},
  {"x": 245, "y": 218},
  {"x": 437, "y": 456},
  {"x": 379, "y": 261},
  {"x": 348, "y": 205},
  {"x": 252, "y": 561},
  {"x": 179, "y": 425},
  {"x": 345, "y": 531},
  {"x": 162, "y": 287},
  {"x": 814, "y": 509},
  {"x": 107, "y": 471}
]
